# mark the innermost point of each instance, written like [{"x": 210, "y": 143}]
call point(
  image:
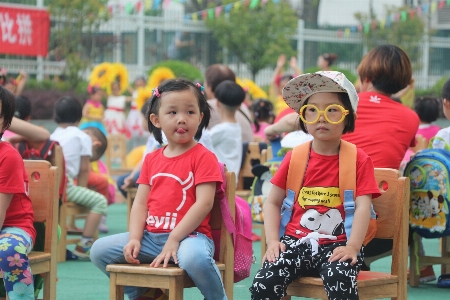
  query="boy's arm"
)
[
  {"x": 360, "y": 225},
  {"x": 85, "y": 167},
  {"x": 195, "y": 215},
  {"x": 288, "y": 123},
  {"x": 5, "y": 200},
  {"x": 272, "y": 218},
  {"x": 28, "y": 131},
  {"x": 129, "y": 179}
]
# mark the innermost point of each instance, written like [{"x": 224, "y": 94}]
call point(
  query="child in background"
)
[
  {"x": 23, "y": 112},
  {"x": 427, "y": 108},
  {"x": 444, "y": 134},
  {"x": 93, "y": 111},
  {"x": 77, "y": 149},
  {"x": 326, "y": 103},
  {"x": 134, "y": 119},
  {"x": 114, "y": 114},
  {"x": 263, "y": 116},
  {"x": 226, "y": 136},
  {"x": 178, "y": 182},
  {"x": 13, "y": 85},
  {"x": 17, "y": 234}
]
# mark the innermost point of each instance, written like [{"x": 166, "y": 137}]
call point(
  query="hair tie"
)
[
  {"x": 201, "y": 88},
  {"x": 156, "y": 92}
]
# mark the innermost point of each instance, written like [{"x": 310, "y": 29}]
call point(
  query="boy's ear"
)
[
  {"x": 155, "y": 120},
  {"x": 96, "y": 143}
]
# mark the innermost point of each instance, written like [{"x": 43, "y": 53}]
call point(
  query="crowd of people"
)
[{"x": 189, "y": 127}]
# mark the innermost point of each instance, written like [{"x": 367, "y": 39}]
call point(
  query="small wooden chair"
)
[
  {"x": 392, "y": 223},
  {"x": 43, "y": 192},
  {"x": 131, "y": 193},
  {"x": 174, "y": 278},
  {"x": 253, "y": 153},
  {"x": 116, "y": 153}
]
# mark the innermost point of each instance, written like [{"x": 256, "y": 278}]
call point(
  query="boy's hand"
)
[
  {"x": 127, "y": 182},
  {"x": 131, "y": 251},
  {"x": 273, "y": 251},
  {"x": 293, "y": 62},
  {"x": 344, "y": 253},
  {"x": 169, "y": 251},
  {"x": 281, "y": 60}
]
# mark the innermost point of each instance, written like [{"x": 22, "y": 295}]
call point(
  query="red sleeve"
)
[
  {"x": 205, "y": 170},
  {"x": 280, "y": 177},
  {"x": 11, "y": 172},
  {"x": 144, "y": 175},
  {"x": 365, "y": 178}
]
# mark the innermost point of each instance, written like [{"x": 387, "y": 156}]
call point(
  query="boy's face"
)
[{"x": 446, "y": 108}]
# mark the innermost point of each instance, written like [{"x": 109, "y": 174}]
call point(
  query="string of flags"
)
[{"x": 215, "y": 12}]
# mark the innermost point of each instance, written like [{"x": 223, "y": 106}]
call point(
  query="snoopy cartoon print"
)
[
  {"x": 327, "y": 223},
  {"x": 169, "y": 219}
]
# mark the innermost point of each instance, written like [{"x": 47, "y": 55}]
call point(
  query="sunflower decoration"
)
[
  {"x": 159, "y": 75},
  {"x": 253, "y": 89},
  {"x": 143, "y": 95},
  {"x": 102, "y": 75},
  {"x": 121, "y": 75}
]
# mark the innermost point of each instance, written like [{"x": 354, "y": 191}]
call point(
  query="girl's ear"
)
[
  {"x": 355, "y": 115},
  {"x": 155, "y": 120}
]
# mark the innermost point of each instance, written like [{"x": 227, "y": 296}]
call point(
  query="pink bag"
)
[{"x": 241, "y": 231}]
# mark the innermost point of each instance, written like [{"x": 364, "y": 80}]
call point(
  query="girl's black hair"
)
[
  {"x": 349, "y": 119},
  {"x": 178, "y": 85},
  {"x": 263, "y": 111},
  {"x": 23, "y": 108},
  {"x": 67, "y": 110},
  {"x": 427, "y": 108},
  {"x": 7, "y": 110}
]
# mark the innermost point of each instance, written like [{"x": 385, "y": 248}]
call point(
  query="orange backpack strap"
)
[
  {"x": 296, "y": 171},
  {"x": 347, "y": 168}
]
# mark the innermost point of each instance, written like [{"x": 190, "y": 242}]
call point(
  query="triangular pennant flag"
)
[
  {"x": 347, "y": 32},
  {"x": 404, "y": 15},
  {"x": 397, "y": 17},
  {"x": 228, "y": 7},
  {"x": 246, "y": 3},
  {"x": 276, "y": 1},
  {"x": 382, "y": 23},
  {"x": 353, "y": 29},
  {"x": 448, "y": 2},
  {"x": 419, "y": 11},
  {"x": 339, "y": 33},
  {"x": 138, "y": 6},
  {"x": 129, "y": 8},
  {"x": 204, "y": 14},
  {"x": 156, "y": 4},
  {"x": 254, "y": 4},
  {"x": 388, "y": 21},
  {"x": 187, "y": 17},
  {"x": 433, "y": 7},
  {"x": 441, "y": 4},
  {"x": 211, "y": 13},
  {"x": 237, "y": 5},
  {"x": 411, "y": 13},
  {"x": 263, "y": 2},
  {"x": 166, "y": 3},
  {"x": 110, "y": 9},
  {"x": 218, "y": 11},
  {"x": 374, "y": 24},
  {"x": 359, "y": 27},
  {"x": 425, "y": 8},
  {"x": 194, "y": 16},
  {"x": 366, "y": 27}
]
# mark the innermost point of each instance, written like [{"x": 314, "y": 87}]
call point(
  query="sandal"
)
[{"x": 444, "y": 281}]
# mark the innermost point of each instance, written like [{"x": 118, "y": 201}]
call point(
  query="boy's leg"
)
[
  {"x": 342, "y": 275},
  {"x": 195, "y": 256},
  {"x": 17, "y": 276},
  {"x": 98, "y": 183},
  {"x": 119, "y": 182},
  {"x": 272, "y": 280},
  {"x": 109, "y": 250}
]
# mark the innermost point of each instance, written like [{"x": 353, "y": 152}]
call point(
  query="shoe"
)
[
  {"x": 153, "y": 294},
  {"x": 70, "y": 255},
  {"x": 444, "y": 281},
  {"x": 75, "y": 231},
  {"x": 83, "y": 251},
  {"x": 426, "y": 274},
  {"x": 102, "y": 226}
]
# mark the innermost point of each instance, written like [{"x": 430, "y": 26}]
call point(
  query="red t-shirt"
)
[
  {"x": 384, "y": 129},
  {"x": 14, "y": 180},
  {"x": 321, "y": 184},
  {"x": 173, "y": 184}
]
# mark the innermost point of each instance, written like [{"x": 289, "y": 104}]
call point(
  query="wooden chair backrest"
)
[
  {"x": 43, "y": 192},
  {"x": 56, "y": 158},
  {"x": 253, "y": 153},
  {"x": 392, "y": 210},
  {"x": 116, "y": 149}
]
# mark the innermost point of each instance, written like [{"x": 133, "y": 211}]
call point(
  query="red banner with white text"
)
[{"x": 24, "y": 31}]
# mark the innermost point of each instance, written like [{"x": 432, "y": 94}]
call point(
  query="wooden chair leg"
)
[
  {"x": 445, "y": 252},
  {"x": 413, "y": 276},
  {"x": 116, "y": 292},
  {"x": 63, "y": 237},
  {"x": 176, "y": 288}
]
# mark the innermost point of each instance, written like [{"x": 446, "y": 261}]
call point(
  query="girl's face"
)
[
  {"x": 179, "y": 117},
  {"x": 115, "y": 89},
  {"x": 139, "y": 84},
  {"x": 322, "y": 130},
  {"x": 322, "y": 62},
  {"x": 97, "y": 96},
  {"x": 446, "y": 108}
]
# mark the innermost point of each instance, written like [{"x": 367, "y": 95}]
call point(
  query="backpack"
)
[
  {"x": 429, "y": 173},
  {"x": 43, "y": 153},
  {"x": 241, "y": 230},
  {"x": 347, "y": 186}
]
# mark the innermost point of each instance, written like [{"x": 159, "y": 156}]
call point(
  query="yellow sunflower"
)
[
  {"x": 159, "y": 75},
  {"x": 143, "y": 95},
  {"x": 121, "y": 75},
  {"x": 102, "y": 75},
  {"x": 253, "y": 89}
]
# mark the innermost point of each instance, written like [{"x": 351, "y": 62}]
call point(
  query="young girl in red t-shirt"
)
[
  {"x": 169, "y": 220},
  {"x": 17, "y": 233}
]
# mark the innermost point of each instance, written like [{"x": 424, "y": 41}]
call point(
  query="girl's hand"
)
[
  {"x": 293, "y": 62},
  {"x": 127, "y": 182},
  {"x": 131, "y": 251},
  {"x": 270, "y": 133},
  {"x": 169, "y": 251},
  {"x": 344, "y": 253},
  {"x": 273, "y": 251}
]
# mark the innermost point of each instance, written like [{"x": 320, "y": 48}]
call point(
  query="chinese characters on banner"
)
[{"x": 24, "y": 31}]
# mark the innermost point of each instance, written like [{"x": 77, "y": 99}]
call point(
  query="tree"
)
[
  {"x": 406, "y": 34},
  {"x": 75, "y": 22},
  {"x": 256, "y": 36}
]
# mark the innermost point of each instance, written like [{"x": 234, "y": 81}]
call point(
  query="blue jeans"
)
[
  {"x": 195, "y": 256},
  {"x": 120, "y": 180}
]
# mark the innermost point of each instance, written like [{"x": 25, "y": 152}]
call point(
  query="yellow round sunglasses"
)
[{"x": 333, "y": 114}]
